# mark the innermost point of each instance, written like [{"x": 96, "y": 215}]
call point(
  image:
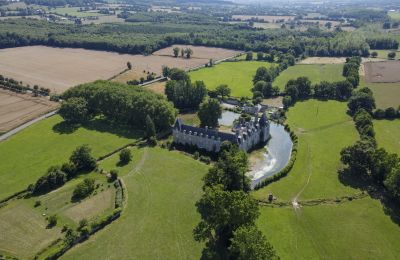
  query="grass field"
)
[
  {"x": 237, "y": 75},
  {"x": 383, "y": 54},
  {"x": 160, "y": 215},
  {"x": 395, "y": 15},
  {"x": 388, "y": 134},
  {"x": 26, "y": 156},
  {"x": 385, "y": 94},
  {"x": 316, "y": 73},
  {"x": 73, "y": 11},
  {"x": 357, "y": 229}
]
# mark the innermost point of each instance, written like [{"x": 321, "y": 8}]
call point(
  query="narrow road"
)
[{"x": 25, "y": 125}]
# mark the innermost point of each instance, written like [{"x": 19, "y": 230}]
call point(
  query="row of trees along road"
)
[{"x": 228, "y": 213}]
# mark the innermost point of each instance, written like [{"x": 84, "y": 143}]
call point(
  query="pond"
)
[
  {"x": 227, "y": 118},
  {"x": 274, "y": 157}
]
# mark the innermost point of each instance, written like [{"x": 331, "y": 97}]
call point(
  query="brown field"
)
[
  {"x": 62, "y": 68},
  {"x": 323, "y": 60},
  {"x": 321, "y": 22},
  {"x": 267, "y": 18},
  {"x": 200, "y": 52},
  {"x": 157, "y": 87},
  {"x": 130, "y": 75},
  {"x": 104, "y": 19},
  {"x": 16, "y": 109},
  {"x": 382, "y": 72}
]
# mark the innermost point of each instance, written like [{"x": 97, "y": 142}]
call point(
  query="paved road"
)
[{"x": 22, "y": 127}]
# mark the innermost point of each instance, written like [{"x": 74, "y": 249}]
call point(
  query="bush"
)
[
  {"x": 83, "y": 189},
  {"x": 196, "y": 155},
  {"x": 37, "y": 203},
  {"x": 205, "y": 159},
  {"x": 125, "y": 156},
  {"x": 53, "y": 179},
  {"x": 52, "y": 221},
  {"x": 113, "y": 175},
  {"x": 82, "y": 159}
]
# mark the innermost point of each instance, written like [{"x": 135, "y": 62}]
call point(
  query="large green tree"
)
[
  {"x": 209, "y": 112},
  {"x": 75, "y": 110}
]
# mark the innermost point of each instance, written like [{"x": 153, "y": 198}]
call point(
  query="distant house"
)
[{"x": 246, "y": 135}]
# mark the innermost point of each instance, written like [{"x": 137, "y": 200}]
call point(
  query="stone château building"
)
[{"x": 246, "y": 135}]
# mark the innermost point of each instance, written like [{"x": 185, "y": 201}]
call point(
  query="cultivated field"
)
[
  {"x": 16, "y": 109},
  {"x": 388, "y": 134},
  {"x": 62, "y": 68},
  {"x": 323, "y": 60},
  {"x": 157, "y": 87},
  {"x": 385, "y": 94},
  {"x": 333, "y": 228},
  {"x": 321, "y": 22},
  {"x": 26, "y": 156},
  {"x": 237, "y": 75},
  {"x": 316, "y": 73},
  {"x": 200, "y": 52},
  {"x": 266, "y": 18},
  {"x": 160, "y": 215},
  {"x": 382, "y": 72}
]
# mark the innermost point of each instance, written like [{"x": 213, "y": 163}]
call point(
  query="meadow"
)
[
  {"x": 237, "y": 75},
  {"x": 385, "y": 94},
  {"x": 315, "y": 72},
  {"x": 383, "y": 54},
  {"x": 333, "y": 228},
  {"x": 160, "y": 213},
  {"x": 395, "y": 15},
  {"x": 27, "y": 155},
  {"x": 73, "y": 11},
  {"x": 388, "y": 134}
]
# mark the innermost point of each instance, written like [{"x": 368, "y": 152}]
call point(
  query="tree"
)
[
  {"x": 222, "y": 212},
  {"x": 362, "y": 98},
  {"x": 223, "y": 91},
  {"x": 150, "y": 128},
  {"x": 260, "y": 56},
  {"x": 392, "y": 183},
  {"x": 129, "y": 65},
  {"x": 189, "y": 53},
  {"x": 390, "y": 113},
  {"x": 125, "y": 156},
  {"x": 182, "y": 52},
  {"x": 166, "y": 71},
  {"x": 303, "y": 86},
  {"x": 262, "y": 74},
  {"x": 52, "y": 221},
  {"x": 83, "y": 159},
  {"x": 359, "y": 157},
  {"x": 75, "y": 110},
  {"x": 83, "y": 189},
  {"x": 392, "y": 55},
  {"x": 209, "y": 112},
  {"x": 178, "y": 75},
  {"x": 249, "y": 243},
  {"x": 176, "y": 52},
  {"x": 374, "y": 54},
  {"x": 249, "y": 55},
  {"x": 184, "y": 94}
]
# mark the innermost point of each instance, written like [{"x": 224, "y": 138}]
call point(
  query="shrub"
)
[
  {"x": 37, "y": 203},
  {"x": 205, "y": 159},
  {"x": 113, "y": 175},
  {"x": 82, "y": 158},
  {"x": 53, "y": 179},
  {"x": 196, "y": 155},
  {"x": 125, "y": 156},
  {"x": 52, "y": 221},
  {"x": 83, "y": 189}
]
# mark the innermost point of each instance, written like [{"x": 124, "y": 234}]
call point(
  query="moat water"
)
[
  {"x": 275, "y": 156},
  {"x": 227, "y": 118}
]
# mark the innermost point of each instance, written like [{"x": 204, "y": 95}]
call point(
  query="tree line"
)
[
  {"x": 119, "y": 103},
  {"x": 19, "y": 87},
  {"x": 228, "y": 212}
]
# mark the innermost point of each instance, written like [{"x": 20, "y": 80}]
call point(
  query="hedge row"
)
[
  {"x": 119, "y": 194},
  {"x": 288, "y": 167}
]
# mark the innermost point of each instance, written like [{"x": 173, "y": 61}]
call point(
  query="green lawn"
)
[
  {"x": 388, "y": 134},
  {"x": 357, "y": 229},
  {"x": 73, "y": 11},
  {"x": 26, "y": 156},
  {"x": 394, "y": 15},
  {"x": 237, "y": 75},
  {"x": 316, "y": 73},
  {"x": 160, "y": 215}
]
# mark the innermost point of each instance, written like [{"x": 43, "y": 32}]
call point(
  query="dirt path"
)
[{"x": 295, "y": 203}]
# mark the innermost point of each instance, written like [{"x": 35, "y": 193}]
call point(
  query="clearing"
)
[
  {"x": 16, "y": 109},
  {"x": 316, "y": 73},
  {"x": 27, "y": 155},
  {"x": 388, "y": 134},
  {"x": 62, "y": 68},
  {"x": 237, "y": 75},
  {"x": 382, "y": 72},
  {"x": 335, "y": 229},
  {"x": 266, "y": 18},
  {"x": 160, "y": 215}
]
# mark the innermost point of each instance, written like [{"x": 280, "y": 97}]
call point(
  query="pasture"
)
[
  {"x": 388, "y": 134},
  {"x": 237, "y": 75},
  {"x": 62, "y": 68},
  {"x": 27, "y": 155},
  {"x": 73, "y": 11},
  {"x": 385, "y": 94},
  {"x": 16, "y": 109},
  {"x": 160, "y": 214},
  {"x": 382, "y": 72},
  {"x": 315, "y": 72},
  {"x": 336, "y": 228},
  {"x": 394, "y": 15},
  {"x": 266, "y": 18}
]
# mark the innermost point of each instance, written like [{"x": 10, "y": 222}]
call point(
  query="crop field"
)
[
  {"x": 267, "y": 18},
  {"x": 388, "y": 134},
  {"x": 16, "y": 109},
  {"x": 382, "y": 72},
  {"x": 62, "y": 68},
  {"x": 160, "y": 214},
  {"x": 323, "y": 60},
  {"x": 332, "y": 228},
  {"x": 27, "y": 155},
  {"x": 321, "y": 22},
  {"x": 237, "y": 75},
  {"x": 157, "y": 87},
  {"x": 104, "y": 19},
  {"x": 385, "y": 94},
  {"x": 316, "y": 73}
]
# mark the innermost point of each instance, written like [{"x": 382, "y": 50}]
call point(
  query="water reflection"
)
[{"x": 227, "y": 118}]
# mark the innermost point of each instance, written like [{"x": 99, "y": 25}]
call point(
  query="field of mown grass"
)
[
  {"x": 383, "y": 54},
  {"x": 315, "y": 72},
  {"x": 385, "y": 94},
  {"x": 388, "y": 134},
  {"x": 73, "y": 11},
  {"x": 237, "y": 75},
  {"x": 357, "y": 229},
  {"x": 160, "y": 214},
  {"x": 26, "y": 156}
]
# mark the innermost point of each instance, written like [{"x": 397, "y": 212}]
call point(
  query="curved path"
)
[{"x": 25, "y": 125}]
